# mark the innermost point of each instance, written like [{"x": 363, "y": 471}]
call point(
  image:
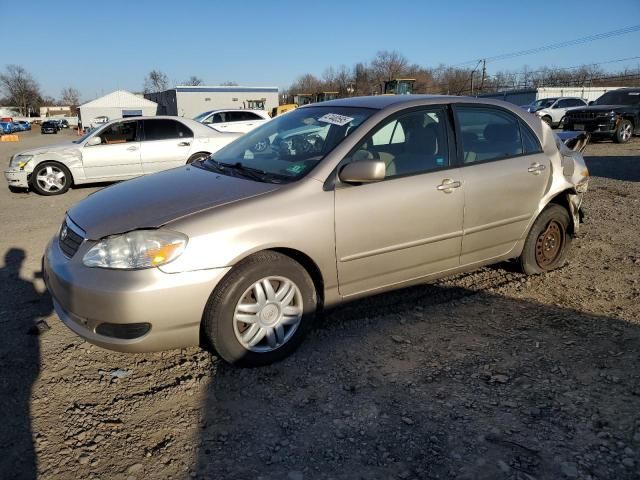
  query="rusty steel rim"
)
[{"x": 549, "y": 244}]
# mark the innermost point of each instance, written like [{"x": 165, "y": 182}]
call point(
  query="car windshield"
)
[
  {"x": 617, "y": 97},
  {"x": 286, "y": 148},
  {"x": 544, "y": 102},
  {"x": 202, "y": 116}
]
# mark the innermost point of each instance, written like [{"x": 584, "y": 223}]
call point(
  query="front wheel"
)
[
  {"x": 261, "y": 311},
  {"x": 548, "y": 241},
  {"x": 50, "y": 178},
  {"x": 623, "y": 132}
]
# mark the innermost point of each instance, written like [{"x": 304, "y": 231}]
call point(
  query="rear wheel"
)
[
  {"x": 548, "y": 241},
  {"x": 50, "y": 178},
  {"x": 261, "y": 311},
  {"x": 623, "y": 132}
]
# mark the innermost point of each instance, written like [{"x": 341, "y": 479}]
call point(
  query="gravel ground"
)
[{"x": 486, "y": 375}]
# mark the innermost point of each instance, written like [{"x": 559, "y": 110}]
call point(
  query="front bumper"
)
[
  {"x": 600, "y": 127},
  {"x": 17, "y": 178},
  {"x": 84, "y": 298}
]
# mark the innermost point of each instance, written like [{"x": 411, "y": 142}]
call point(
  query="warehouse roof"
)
[{"x": 120, "y": 98}]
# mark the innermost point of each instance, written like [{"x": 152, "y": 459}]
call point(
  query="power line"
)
[{"x": 554, "y": 46}]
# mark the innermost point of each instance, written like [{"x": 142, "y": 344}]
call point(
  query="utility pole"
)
[{"x": 484, "y": 73}]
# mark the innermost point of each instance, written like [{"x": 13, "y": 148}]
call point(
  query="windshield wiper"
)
[{"x": 253, "y": 173}]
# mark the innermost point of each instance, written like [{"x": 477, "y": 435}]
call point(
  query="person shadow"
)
[{"x": 22, "y": 312}]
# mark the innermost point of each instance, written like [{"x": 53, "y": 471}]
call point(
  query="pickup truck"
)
[{"x": 615, "y": 115}]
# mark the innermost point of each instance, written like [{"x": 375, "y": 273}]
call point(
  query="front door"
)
[
  {"x": 166, "y": 143},
  {"x": 118, "y": 156},
  {"x": 505, "y": 175},
  {"x": 408, "y": 225}
]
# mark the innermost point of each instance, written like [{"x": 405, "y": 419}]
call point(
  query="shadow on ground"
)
[
  {"x": 434, "y": 382},
  {"x": 616, "y": 167},
  {"x": 21, "y": 305}
]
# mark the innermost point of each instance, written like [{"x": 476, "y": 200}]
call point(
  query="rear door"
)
[
  {"x": 118, "y": 156},
  {"x": 504, "y": 174},
  {"x": 408, "y": 225},
  {"x": 166, "y": 143}
]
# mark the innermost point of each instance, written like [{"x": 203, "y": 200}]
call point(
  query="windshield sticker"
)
[
  {"x": 296, "y": 168},
  {"x": 335, "y": 119}
]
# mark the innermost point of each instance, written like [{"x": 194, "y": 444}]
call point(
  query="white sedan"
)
[
  {"x": 119, "y": 150},
  {"x": 240, "y": 120}
]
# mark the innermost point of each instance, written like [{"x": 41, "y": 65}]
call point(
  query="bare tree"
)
[
  {"x": 156, "y": 81},
  {"x": 388, "y": 65},
  {"x": 193, "y": 81},
  {"x": 70, "y": 96},
  {"x": 20, "y": 88}
]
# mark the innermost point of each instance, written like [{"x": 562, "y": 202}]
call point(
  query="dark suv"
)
[
  {"x": 50, "y": 126},
  {"x": 615, "y": 115}
]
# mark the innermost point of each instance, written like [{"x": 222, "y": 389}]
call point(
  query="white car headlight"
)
[
  {"x": 136, "y": 250},
  {"x": 20, "y": 161}
]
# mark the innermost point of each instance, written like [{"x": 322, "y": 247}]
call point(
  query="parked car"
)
[
  {"x": 552, "y": 110},
  {"x": 240, "y": 120},
  {"x": 64, "y": 123},
  {"x": 49, "y": 126},
  {"x": 17, "y": 127},
  {"x": 615, "y": 115},
  {"x": 7, "y": 127},
  {"x": 25, "y": 124},
  {"x": 243, "y": 249},
  {"x": 119, "y": 150}
]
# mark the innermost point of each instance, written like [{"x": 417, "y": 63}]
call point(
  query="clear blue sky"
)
[{"x": 100, "y": 46}]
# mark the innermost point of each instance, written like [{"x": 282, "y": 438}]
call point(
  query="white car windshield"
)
[{"x": 289, "y": 146}]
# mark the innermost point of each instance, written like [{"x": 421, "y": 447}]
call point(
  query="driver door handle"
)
[
  {"x": 536, "y": 168},
  {"x": 184, "y": 144},
  {"x": 132, "y": 148},
  {"x": 448, "y": 185}
]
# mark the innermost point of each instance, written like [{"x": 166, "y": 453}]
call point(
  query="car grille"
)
[
  {"x": 70, "y": 238},
  {"x": 584, "y": 116}
]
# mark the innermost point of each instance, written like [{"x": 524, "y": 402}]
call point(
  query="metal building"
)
[
  {"x": 188, "y": 101},
  {"x": 118, "y": 104}
]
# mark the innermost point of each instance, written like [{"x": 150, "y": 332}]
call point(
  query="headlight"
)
[
  {"x": 136, "y": 250},
  {"x": 20, "y": 161}
]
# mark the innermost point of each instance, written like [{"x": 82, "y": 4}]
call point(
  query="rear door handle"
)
[
  {"x": 132, "y": 149},
  {"x": 448, "y": 185},
  {"x": 536, "y": 168},
  {"x": 184, "y": 144}
]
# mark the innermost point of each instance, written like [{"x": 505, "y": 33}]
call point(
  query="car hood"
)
[
  {"x": 154, "y": 200},
  {"x": 599, "y": 108},
  {"x": 58, "y": 148}
]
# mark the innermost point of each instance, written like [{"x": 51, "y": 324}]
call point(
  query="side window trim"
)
[{"x": 458, "y": 133}]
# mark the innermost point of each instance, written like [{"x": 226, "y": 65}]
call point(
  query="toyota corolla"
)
[{"x": 328, "y": 203}]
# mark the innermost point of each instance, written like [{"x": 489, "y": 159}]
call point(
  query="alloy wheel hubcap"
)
[
  {"x": 51, "y": 179},
  {"x": 549, "y": 244},
  {"x": 626, "y": 132},
  {"x": 268, "y": 314}
]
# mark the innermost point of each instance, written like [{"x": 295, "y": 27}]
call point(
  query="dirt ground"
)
[{"x": 487, "y": 375}]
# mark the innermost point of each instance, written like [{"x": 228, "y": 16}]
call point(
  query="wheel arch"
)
[
  {"x": 52, "y": 160},
  {"x": 564, "y": 199}
]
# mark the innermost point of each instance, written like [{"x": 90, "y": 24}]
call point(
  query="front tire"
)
[
  {"x": 624, "y": 132},
  {"x": 261, "y": 311},
  {"x": 50, "y": 178},
  {"x": 548, "y": 241}
]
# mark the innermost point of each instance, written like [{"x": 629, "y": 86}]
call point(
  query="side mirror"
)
[
  {"x": 94, "y": 141},
  {"x": 364, "y": 171}
]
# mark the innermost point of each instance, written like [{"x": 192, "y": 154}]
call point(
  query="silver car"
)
[{"x": 243, "y": 249}]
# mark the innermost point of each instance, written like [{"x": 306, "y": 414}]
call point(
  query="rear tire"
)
[
  {"x": 236, "y": 299},
  {"x": 624, "y": 132},
  {"x": 548, "y": 241}
]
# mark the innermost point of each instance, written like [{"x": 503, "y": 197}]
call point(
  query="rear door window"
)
[
  {"x": 165, "y": 130},
  {"x": 488, "y": 133}
]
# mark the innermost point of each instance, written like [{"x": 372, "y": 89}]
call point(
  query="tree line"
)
[{"x": 367, "y": 78}]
